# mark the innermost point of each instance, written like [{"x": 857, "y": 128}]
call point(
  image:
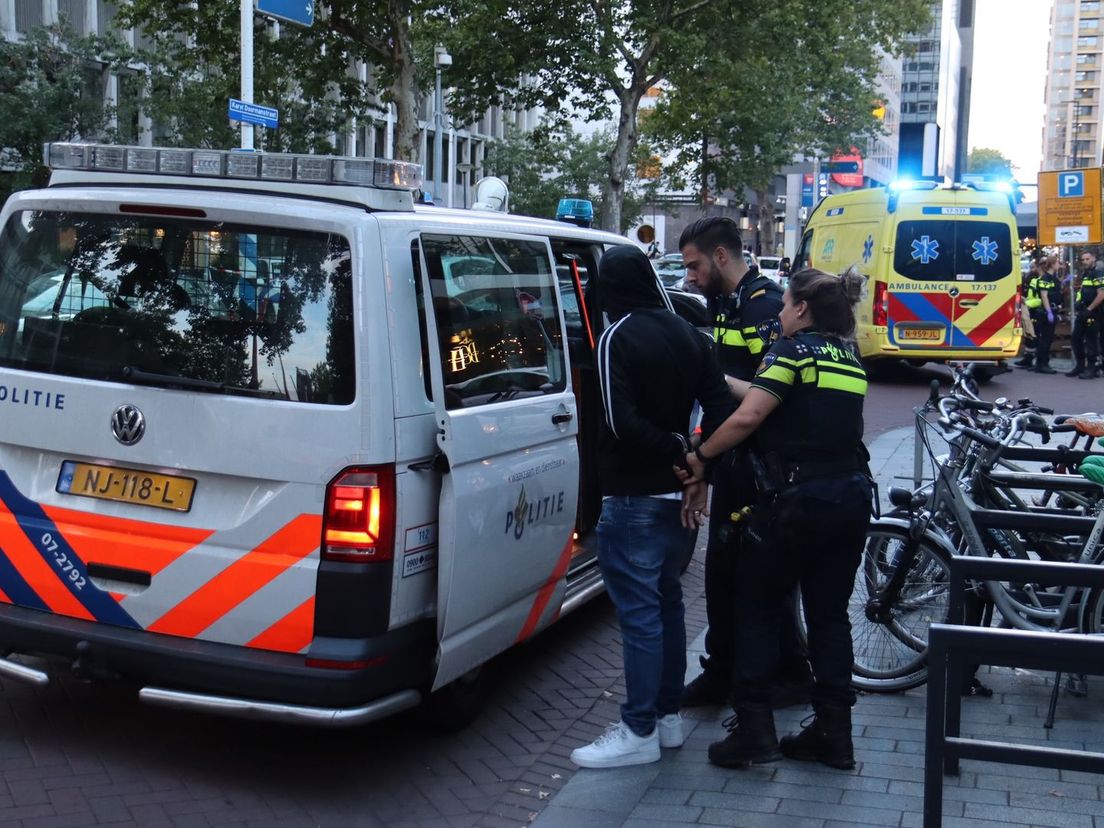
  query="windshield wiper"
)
[{"x": 140, "y": 377}]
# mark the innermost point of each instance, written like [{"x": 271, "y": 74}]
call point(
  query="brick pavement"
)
[
  {"x": 74, "y": 754},
  {"x": 885, "y": 788}
]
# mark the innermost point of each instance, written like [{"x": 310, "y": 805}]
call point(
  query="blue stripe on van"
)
[
  {"x": 16, "y": 587},
  {"x": 34, "y": 523},
  {"x": 918, "y": 303}
]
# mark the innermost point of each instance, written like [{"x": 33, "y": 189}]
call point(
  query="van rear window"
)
[
  {"x": 950, "y": 249},
  {"x": 242, "y": 310}
]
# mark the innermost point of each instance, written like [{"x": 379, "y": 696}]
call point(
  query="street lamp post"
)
[
  {"x": 465, "y": 170},
  {"x": 441, "y": 59}
]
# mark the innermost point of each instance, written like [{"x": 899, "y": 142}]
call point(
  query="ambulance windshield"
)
[
  {"x": 237, "y": 309},
  {"x": 953, "y": 250}
]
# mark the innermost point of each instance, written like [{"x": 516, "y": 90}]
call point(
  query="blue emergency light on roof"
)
[
  {"x": 307, "y": 169},
  {"x": 578, "y": 211},
  {"x": 902, "y": 184}
]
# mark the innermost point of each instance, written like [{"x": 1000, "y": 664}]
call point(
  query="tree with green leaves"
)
[
  {"x": 308, "y": 73},
  {"x": 51, "y": 89},
  {"x": 735, "y": 117},
  {"x": 987, "y": 161},
  {"x": 786, "y": 76},
  {"x": 554, "y": 162}
]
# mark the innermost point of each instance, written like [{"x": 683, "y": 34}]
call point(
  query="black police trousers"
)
[
  {"x": 733, "y": 488},
  {"x": 812, "y": 537},
  {"x": 1085, "y": 340},
  {"x": 1044, "y": 335}
]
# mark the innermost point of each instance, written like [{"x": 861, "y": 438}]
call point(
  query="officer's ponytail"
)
[{"x": 831, "y": 299}]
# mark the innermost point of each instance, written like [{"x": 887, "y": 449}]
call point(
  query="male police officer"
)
[
  {"x": 1087, "y": 317},
  {"x": 746, "y": 303}
]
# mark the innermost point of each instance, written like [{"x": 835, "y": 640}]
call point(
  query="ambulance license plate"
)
[
  {"x": 919, "y": 334},
  {"x": 162, "y": 491}
]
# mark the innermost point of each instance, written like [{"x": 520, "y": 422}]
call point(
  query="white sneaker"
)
[
  {"x": 670, "y": 731},
  {"x": 618, "y": 747}
]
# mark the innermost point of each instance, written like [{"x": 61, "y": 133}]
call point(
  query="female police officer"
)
[{"x": 809, "y": 525}]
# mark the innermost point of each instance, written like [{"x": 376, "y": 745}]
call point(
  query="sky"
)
[{"x": 1011, "y": 38}]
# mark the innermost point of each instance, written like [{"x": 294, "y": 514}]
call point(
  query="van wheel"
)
[{"x": 457, "y": 704}]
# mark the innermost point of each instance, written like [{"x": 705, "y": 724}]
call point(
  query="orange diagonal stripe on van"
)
[
  {"x": 133, "y": 544},
  {"x": 291, "y": 633},
  {"x": 547, "y": 591},
  {"x": 44, "y": 578},
  {"x": 242, "y": 578}
]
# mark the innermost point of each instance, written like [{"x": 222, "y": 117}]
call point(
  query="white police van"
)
[{"x": 279, "y": 443}]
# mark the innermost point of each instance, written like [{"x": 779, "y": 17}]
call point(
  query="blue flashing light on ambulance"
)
[{"x": 941, "y": 268}]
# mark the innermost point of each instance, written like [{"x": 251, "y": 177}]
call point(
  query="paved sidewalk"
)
[{"x": 885, "y": 788}]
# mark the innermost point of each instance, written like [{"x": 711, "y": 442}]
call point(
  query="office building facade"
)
[
  {"x": 935, "y": 93},
  {"x": 1073, "y": 122}
]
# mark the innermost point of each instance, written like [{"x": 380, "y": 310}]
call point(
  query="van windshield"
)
[
  {"x": 977, "y": 251},
  {"x": 243, "y": 310}
]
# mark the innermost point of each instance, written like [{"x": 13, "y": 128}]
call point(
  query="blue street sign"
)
[
  {"x": 300, "y": 12},
  {"x": 807, "y": 190},
  {"x": 1071, "y": 184},
  {"x": 264, "y": 116},
  {"x": 839, "y": 166}
]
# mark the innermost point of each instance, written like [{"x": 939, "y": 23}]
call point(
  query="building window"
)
[
  {"x": 1090, "y": 23},
  {"x": 28, "y": 15},
  {"x": 1087, "y": 42}
]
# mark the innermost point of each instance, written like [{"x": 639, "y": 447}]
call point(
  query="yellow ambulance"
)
[{"x": 941, "y": 268}]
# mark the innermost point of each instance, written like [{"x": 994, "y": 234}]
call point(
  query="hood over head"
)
[{"x": 627, "y": 282}]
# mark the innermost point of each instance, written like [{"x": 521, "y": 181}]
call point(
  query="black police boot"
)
[
  {"x": 706, "y": 690},
  {"x": 751, "y": 739},
  {"x": 1044, "y": 368},
  {"x": 825, "y": 739},
  {"x": 1025, "y": 361},
  {"x": 1075, "y": 371}
]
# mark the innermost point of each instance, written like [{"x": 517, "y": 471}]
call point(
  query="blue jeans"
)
[{"x": 640, "y": 546}]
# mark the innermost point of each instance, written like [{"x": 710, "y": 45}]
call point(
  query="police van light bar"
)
[{"x": 308, "y": 169}]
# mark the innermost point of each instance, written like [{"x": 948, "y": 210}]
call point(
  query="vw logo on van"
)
[{"x": 128, "y": 424}]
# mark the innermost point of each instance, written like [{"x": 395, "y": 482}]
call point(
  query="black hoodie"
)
[{"x": 652, "y": 366}]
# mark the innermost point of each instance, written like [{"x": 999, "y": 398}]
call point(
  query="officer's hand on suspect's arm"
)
[
  {"x": 1050, "y": 316},
  {"x": 694, "y": 500},
  {"x": 691, "y": 470}
]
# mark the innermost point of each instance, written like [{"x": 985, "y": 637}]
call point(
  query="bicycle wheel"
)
[{"x": 890, "y": 649}]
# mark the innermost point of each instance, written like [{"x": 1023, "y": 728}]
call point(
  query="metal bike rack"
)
[{"x": 952, "y": 646}]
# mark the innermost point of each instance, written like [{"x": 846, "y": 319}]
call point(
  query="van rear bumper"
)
[{"x": 398, "y": 660}]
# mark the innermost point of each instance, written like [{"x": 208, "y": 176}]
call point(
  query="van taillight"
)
[
  {"x": 881, "y": 304},
  {"x": 1017, "y": 313},
  {"x": 359, "y": 523}
]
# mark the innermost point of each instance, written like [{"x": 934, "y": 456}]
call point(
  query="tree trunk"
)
[
  {"x": 766, "y": 222},
  {"x": 613, "y": 190},
  {"x": 404, "y": 89}
]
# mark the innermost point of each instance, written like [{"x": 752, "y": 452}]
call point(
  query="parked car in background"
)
[
  {"x": 670, "y": 269},
  {"x": 768, "y": 266}
]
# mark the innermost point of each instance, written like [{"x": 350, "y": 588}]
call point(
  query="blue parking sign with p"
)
[{"x": 1071, "y": 184}]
